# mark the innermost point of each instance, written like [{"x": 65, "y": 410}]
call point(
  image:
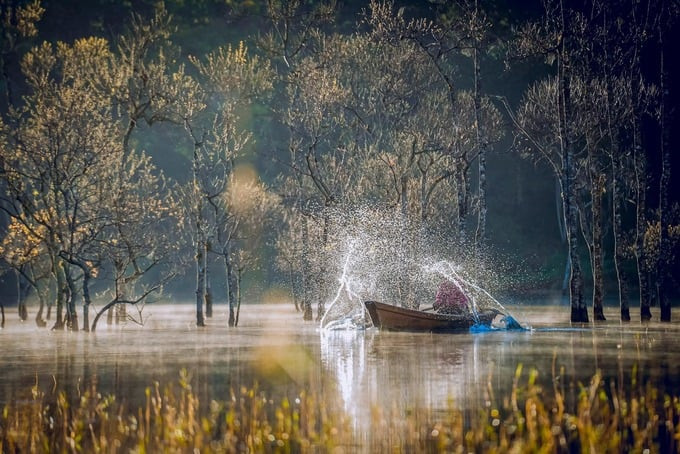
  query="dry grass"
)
[{"x": 605, "y": 418}]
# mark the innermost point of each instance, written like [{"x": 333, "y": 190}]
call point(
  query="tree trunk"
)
[
  {"x": 200, "y": 280},
  {"x": 208, "y": 289},
  {"x": 121, "y": 313},
  {"x": 120, "y": 290},
  {"x": 238, "y": 295},
  {"x": 86, "y": 300},
  {"x": 480, "y": 233},
  {"x": 39, "y": 321},
  {"x": 617, "y": 201},
  {"x": 598, "y": 284},
  {"x": 231, "y": 286},
  {"x": 60, "y": 291},
  {"x": 198, "y": 232},
  {"x": 664, "y": 258},
  {"x": 72, "y": 314},
  {"x": 41, "y": 300},
  {"x": 21, "y": 301},
  {"x": 579, "y": 312},
  {"x": 2, "y": 316},
  {"x": 639, "y": 164},
  {"x": 108, "y": 308}
]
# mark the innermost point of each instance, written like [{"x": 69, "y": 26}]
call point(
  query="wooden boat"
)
[{"x": 393, "y": 318}]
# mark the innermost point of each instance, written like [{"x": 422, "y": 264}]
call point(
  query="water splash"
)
[
  {"x": 378, "y": 258},
  {"x": 453, "y": 273},
  {"x": 338, "y": 316},
  {"x": 344, "y": 284}
]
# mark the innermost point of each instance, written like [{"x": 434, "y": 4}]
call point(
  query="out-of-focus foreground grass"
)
[{"x": 606, "y": 418}]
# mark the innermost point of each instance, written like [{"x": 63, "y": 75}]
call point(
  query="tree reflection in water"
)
[{"x": 363, "y": 372}]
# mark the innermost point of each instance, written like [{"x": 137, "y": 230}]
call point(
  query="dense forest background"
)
[{"x": 290, "y": 90}]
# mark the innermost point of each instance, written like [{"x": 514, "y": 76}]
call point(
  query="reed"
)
[{"x": 605, "y": 418}]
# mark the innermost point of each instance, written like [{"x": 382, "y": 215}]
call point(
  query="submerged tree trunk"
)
[
  {"x": 598, "y": 187},
  {"x": 119, "y": 289},
  {"x": 664, "y": 258},
  {"x": 21, "y": 300},
  {"x": 41, "y": 299},
  {"x": 617, "y": 201},
  {"x": 72, "y": 320},
  {"x": 208, "y": 289},
  {"x": 640, "y": 165},
  {"x": 231, "y": 285},
  {"x": 121, "y": 313},
  {"x": 86, "y": 300},
  {"x": 60, "y": 292},
  {"x": 579, "y": 312},
  {"x": 39, "y": 321},
  {"x": 106, "y": 309},
  {"x": 238, "y": 294},
  {"x": 200, "y": 281},
  {"x": 71, "y": 315}
]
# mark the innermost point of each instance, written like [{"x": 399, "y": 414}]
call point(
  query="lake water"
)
[{"x": 360, "y": 370}]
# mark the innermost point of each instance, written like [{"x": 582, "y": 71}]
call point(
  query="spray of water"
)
[
  {"x": 344, "y": 292},
  {"x": 452, "y": 273},
  {"x": 376, "y": 258}
]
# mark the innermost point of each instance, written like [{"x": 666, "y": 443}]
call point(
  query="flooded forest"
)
[{"x": 229, "y": 226}]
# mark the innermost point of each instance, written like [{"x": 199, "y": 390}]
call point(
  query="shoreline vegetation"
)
[{"x": 605, "y": 417}]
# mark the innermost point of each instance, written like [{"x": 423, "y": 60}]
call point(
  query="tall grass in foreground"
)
[{"x": 605, "y": 418}]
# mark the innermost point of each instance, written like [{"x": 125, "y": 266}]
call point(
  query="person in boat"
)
[{"x": 451, "y": 299}]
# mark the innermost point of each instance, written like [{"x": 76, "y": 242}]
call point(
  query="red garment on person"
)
[{"x": 450, "y": 299}]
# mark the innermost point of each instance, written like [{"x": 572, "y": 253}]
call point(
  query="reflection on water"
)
[{"x": 363, "y": 370}]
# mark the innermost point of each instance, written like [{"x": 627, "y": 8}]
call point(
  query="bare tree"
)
[
  {"x": 231, "y": 79},
  {"x": 60, "y": 149},
  {"x": 74, "y": 178},
  {"x": 557, "y": 37}
]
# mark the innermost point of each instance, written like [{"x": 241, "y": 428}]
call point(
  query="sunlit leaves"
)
[
  {"x": 81, "y": 199},
  {"x": 22, "y": 243},
  {"x": 146, "y": 82},
  {"x": 234, "y": 74},
  {"x": 23, "y": 18}
]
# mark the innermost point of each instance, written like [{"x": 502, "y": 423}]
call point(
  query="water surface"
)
[{"x": 360, "y": 369}]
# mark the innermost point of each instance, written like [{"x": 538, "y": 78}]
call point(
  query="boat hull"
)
[{"x": 393, "y": 318}]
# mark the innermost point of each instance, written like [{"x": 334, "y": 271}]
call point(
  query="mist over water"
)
[{"x": 359, "y": 372}]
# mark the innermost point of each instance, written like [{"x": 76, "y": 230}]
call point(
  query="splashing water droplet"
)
[{"x": 377, "y": 257}]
